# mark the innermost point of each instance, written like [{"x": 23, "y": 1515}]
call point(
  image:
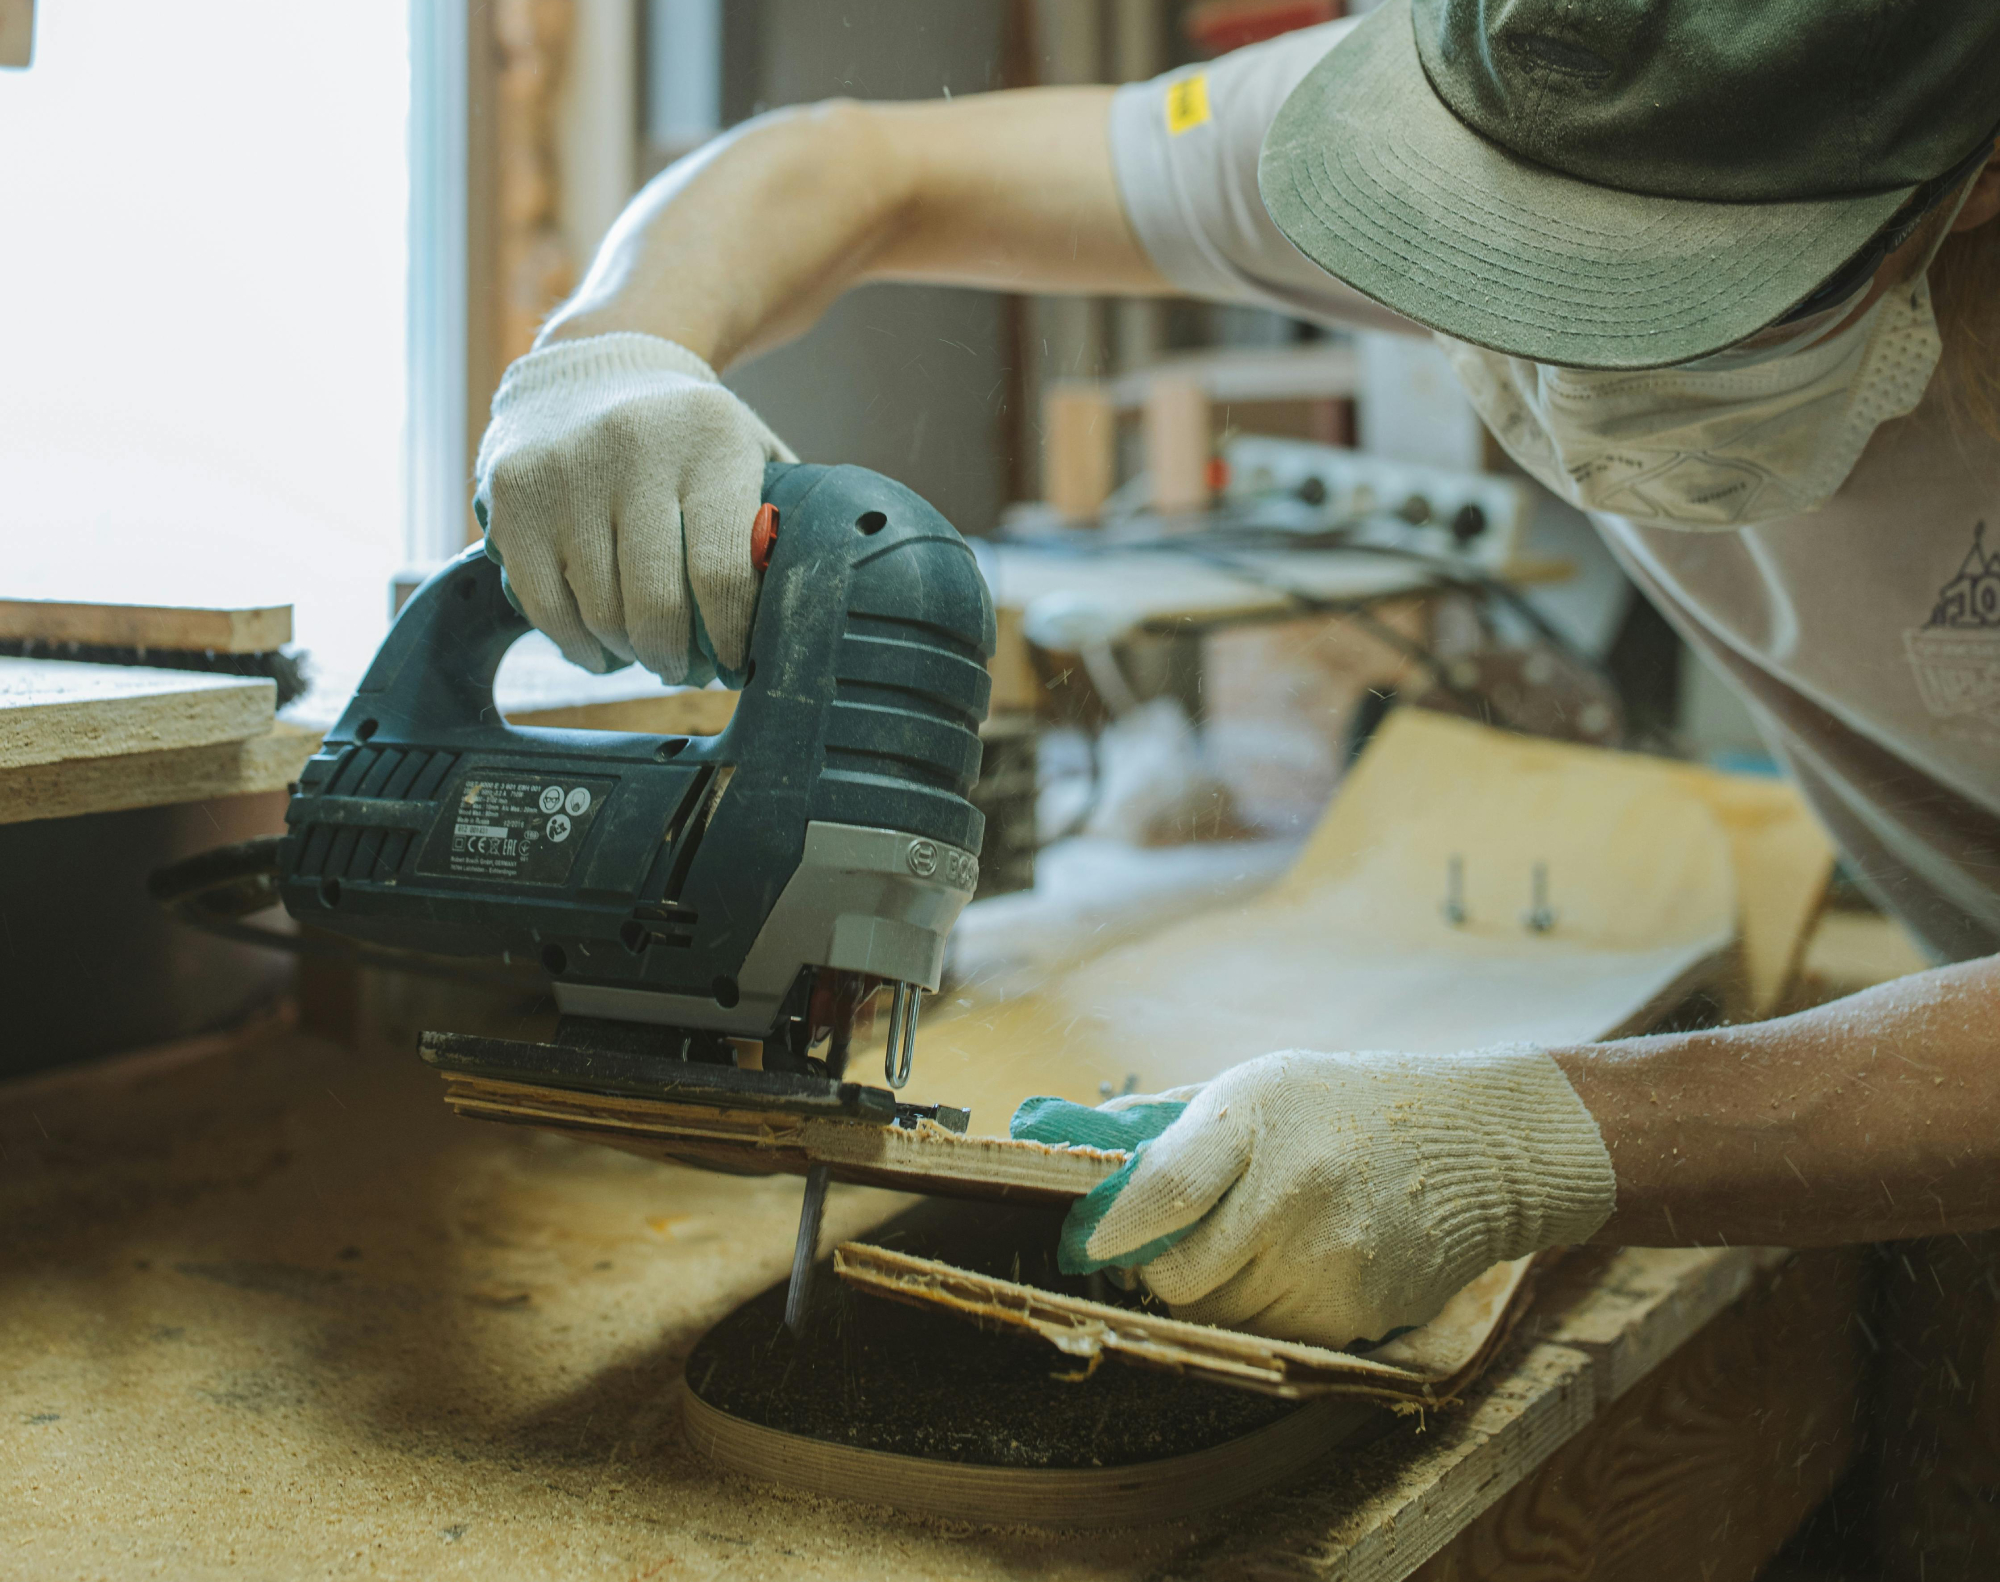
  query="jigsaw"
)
[{"x": 711, "y": 913}]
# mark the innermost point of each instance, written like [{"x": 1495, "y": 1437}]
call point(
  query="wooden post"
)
[
  {"x": 1079, "y": 446},
  {"x": 1178, "y": 443}
]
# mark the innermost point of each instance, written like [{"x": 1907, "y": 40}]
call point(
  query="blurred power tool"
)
[{"x": 683, "y": 895}]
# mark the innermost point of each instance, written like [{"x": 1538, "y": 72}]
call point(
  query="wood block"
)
[
  {"x": 1179, "y": 443},
  {"x": 249, "y": 631},
  {"x": 53, "y": 712},
  {"x": 1079, "y": 447}
]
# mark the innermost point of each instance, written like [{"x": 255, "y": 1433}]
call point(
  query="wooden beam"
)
[
  {"x": 217, "y": 631},
  {"x": 1179, "y": 443},
  {"x": 1079, "y": 447}
]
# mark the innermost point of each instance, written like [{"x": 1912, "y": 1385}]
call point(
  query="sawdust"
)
[{"x": 880, "y": 1375}]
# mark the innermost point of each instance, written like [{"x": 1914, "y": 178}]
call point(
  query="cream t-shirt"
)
[{"x": 1865, "y": 636}]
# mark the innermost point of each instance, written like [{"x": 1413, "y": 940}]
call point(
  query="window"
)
[{"x": 202, "y": 291}]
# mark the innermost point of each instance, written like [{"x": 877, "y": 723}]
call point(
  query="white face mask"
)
[{"x": 1729, "y": 441}]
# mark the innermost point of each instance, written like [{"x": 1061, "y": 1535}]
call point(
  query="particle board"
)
[
  {"x": 268, "y": 762},
  {"x": 219, "y": 631},
  {"x": 54, "y": 712}
]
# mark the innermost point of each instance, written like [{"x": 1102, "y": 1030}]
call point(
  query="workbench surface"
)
[{"x": 267, "y": 1308}]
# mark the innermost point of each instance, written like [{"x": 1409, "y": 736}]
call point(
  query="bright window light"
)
[{"x": 202, "y": 310}]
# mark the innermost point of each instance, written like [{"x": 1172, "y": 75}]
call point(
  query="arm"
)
[
  {"x": 1872, "y": 1118},
  {"x": 745, "y": 243},
  {"x": 618, "y": 478},
  {"x": 1323, "y": 1196}
]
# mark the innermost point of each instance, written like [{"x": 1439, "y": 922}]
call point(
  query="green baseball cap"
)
[{"x": 1622, "y": 183}]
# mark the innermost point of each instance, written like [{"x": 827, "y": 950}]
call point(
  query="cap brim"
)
[{"x": 1370, "y": 175}]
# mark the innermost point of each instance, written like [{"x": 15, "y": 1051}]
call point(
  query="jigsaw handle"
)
[{"x": 435, "y": 670}]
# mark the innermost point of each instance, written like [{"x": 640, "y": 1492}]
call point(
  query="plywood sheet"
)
[{"x": 54, "y": 712}]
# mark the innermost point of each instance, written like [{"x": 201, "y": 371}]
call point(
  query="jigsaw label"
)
[{"x": 521, "y": 825}]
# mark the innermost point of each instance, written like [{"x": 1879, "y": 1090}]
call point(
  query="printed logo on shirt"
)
[
  {"x": 1956, "y": 653},
  {"x": 1187, "y": 104}
]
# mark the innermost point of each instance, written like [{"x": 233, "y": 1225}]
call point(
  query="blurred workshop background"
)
[{"x": 251, "y": 358}]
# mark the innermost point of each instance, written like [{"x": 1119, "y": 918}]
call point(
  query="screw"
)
[
  {"x": 1454, "y": 891},
  {"x": 1541, "y": 917}
]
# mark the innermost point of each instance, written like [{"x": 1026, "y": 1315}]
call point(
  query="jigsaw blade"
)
[{"x": 806, "y": 1253}]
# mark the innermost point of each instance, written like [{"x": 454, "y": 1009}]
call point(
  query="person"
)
[{"x": 1730, "y": 284}]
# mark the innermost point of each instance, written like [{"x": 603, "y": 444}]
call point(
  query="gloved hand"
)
[
  {"x": 617, "y": 483},
  {"x": 1330, "y": 1198}
]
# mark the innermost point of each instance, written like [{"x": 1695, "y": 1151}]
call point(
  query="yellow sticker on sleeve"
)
[{"x": 1187, "y": 103}]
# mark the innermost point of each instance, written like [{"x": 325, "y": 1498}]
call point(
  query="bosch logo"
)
[{"x": 928, "y": 860}]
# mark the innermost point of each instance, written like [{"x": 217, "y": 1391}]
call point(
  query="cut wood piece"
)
[
  {"x": 924, "y": 1158},
  {"x": 268, "y": 762},
  {"x": 1427, "y": 1367},
  {"x": 217, "y": 631},
  {"x": 53, "y": 712}
]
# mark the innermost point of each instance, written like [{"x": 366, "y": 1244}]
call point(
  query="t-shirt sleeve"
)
[{"x": 1184, "y": 147}]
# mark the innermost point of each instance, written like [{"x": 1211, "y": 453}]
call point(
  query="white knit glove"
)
[
  {"x": 617, "y": 483},
  {"x": 1330, "y": 1198}
]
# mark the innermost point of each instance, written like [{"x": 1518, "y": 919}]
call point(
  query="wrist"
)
[
  {"x": 1553, "y": 1179},
  {"x": 580, "y": 321},
  {"x": 621, "y": 355}
]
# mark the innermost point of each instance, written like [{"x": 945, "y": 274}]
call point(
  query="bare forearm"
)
[
  {"x": 1873, "y": 1118},
  {"x": 744, "y": 244}
]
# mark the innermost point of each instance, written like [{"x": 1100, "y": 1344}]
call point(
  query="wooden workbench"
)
[{"x": 266, "y": 1307}]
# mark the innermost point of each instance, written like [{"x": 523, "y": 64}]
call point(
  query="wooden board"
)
[
  {"x": 1704, "y": 1466},
  {"x": 268, "y": 762},
  {"x": 54, "y": 712},
  {"x": 219, "y": 631},
  {"x": 1350, "y": 950}
]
